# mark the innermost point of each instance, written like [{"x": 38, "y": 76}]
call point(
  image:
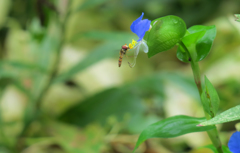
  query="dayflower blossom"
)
[
  {"x": 234, "y": 142},
  {"x": 139, "y": 27}
]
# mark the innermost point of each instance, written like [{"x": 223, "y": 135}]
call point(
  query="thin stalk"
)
[
  {"x": 37, "y": 101},
  {"x": 213, "y": 134}
]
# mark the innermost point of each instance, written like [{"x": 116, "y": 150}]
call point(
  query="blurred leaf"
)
[
  {"x": 21, "y": 87},
  {"x": 36, "y": 30},
  {"x": 185, "y": 83},
  {"x": 147, "y": 86},
  {"x": 46, "y": 50},
  {"x": 5, "y": 6},
  {"x": 210, "y": 98},
  {"x": 106, "y": 50},
  {"x": 126, "y": 100},
  {"x": 172, "y": 127},
  {"x": 138, "y": 123},
  {"x": 3, "y": 149},
  {"x": 237, "y": 17},
  {"x": 225, "y": 149},
  {"x": 104, "y": 35},
  {"x": 115, "y": 102},
  {"x": 90, "y": 4},
  {"x": 114, "y": 41},
  {"x": 165, "y": 33},
  {"x": 4, "y": 140},
  {"x": 21, "y": 65},
  {"x": 9, "y": 74},
  {"x": 69, "y": 138},
  {"x": 87, "y": 140},
  {"x": 95, "y": 56},
  {"x": 4, "y": 82},
  {"x": 229, "y": 115},
  {"x": 7, "y": 79},
  {"x": 189, "y": 41}
]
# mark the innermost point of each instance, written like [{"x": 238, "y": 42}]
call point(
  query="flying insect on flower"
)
[
  {"x": 234, "y": 142},
  {"x": 139, "y": 27}
]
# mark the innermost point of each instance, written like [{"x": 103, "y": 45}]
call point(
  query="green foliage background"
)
[{"x": 90, "y": 105}]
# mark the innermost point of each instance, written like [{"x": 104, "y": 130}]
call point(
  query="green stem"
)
[
  {"x": 213, "y": 134},
  {"x": 34, "y": 107}
]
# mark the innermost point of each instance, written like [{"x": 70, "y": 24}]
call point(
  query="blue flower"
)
[
  {"x": 139, "y": 27},
  {"x": 234, "y": 143}
]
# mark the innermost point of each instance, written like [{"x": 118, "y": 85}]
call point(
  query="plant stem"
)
[
  {"x": 35, "y": 103},
  {"x": 213, "y": 134}
]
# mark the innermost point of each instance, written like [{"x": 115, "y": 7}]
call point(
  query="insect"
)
[{"x": 122, "y": 52}]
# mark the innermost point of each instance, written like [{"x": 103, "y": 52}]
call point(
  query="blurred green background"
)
[{"x": 62, "y": 91}]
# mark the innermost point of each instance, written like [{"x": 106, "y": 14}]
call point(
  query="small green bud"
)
[{"x": 165, "y": 33}]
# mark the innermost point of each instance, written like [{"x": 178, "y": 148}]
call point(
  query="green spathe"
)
[{"x": 166, "y": 32}]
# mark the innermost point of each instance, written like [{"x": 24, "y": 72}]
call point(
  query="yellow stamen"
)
[
  {"x": 130, "y": 46},
  {"x": 134, "y": 42}
]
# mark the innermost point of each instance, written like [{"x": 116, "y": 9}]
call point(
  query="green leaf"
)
[
  {"x": 237, "y": 17},
  {"x": 199, "y": 48},
  {"x": 189, "y": 41},
  {"x": 210, "y": 98},
  {"x": 165, "y": 33},
  {"x": 229, "y": 115},
  {"x": 204, "y": 44},
  {"x": 172, "y": 127},
  {"x": 113, "y": 101},
  {"x": 225, "y": 149}
]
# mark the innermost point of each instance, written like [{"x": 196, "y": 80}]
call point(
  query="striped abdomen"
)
[{"x": 120, "y": 59}]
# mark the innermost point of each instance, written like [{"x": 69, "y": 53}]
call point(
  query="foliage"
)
[
  {"x": 61, "y": 90},
  {"x": 198, "y": 40},
  {"x": 172, "y": 127}
]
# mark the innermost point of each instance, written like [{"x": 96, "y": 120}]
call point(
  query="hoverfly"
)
[{"x": 122, "y": 52}]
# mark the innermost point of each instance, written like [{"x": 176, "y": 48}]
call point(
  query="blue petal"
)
[
  {"x": 234, "y": 143},
  {"x": 139, "y": 27},
  {"x": 136, "y": 22}
]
